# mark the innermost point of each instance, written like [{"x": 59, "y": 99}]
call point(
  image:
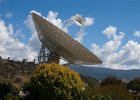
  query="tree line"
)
[{"x": 57, "y": 82}]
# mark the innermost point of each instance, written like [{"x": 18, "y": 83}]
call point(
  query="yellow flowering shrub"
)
[{"x": 54, "y": 82}]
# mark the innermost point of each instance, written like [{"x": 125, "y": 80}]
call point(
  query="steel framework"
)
[{"x": 60, "y": 44}]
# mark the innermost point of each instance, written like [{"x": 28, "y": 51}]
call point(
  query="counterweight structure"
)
[{"x": 57, "y": 44}]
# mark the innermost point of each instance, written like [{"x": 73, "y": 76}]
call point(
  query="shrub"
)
[
  {"x": 101, "y": 97},
  {"x": 54, "y": 82},
  {"x": 5, "y": 88},
  {"x": 116, "y": 92},
  {"x": 134, "y": 84},
  {"x": 110, "y": 80},
  {"x": 90, "y": 87}
]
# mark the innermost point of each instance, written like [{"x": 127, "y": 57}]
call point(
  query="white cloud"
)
[
  {"x": 11, "y": 47},
  {"x": 52, "y": 15},
  {"x": 3, "y": 30},
  {"x": 137, "y": 33},
  {"x": 110, "y": 31},
  {"x": 19, "y": 34},
  {"x": 9, "y": 15},
  {"x": 89, "y": 21},
  {"x": 53, "y": 18},
  {"x": 109, "y": 47},
  {"x": 128, "y": 57},
  {"x": 118, "y": 66},
  {"x": 132, "y": 53},
  {"x": 118, "y": 56},
  {"x": 34, "y": 41}
]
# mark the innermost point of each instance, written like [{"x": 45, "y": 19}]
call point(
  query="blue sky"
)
[{"x": 122, "y": 15}]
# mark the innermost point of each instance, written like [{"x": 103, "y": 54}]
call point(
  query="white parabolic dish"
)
[{"x": 62, "y": 44}]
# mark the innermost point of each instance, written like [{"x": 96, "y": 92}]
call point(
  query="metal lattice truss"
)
[{"x": 62, "y": 44}]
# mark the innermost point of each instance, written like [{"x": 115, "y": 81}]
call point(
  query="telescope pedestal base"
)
[
  {"x": 53, "y": 58},
  {"x": 46, "y": 56}
]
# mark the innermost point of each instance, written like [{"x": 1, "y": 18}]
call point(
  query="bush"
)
[
  {"x": 110, "y": 80},
  {"x": 101, "y": 97},
  {"x": 134, "y": 84},
  {"x": 54, "y": 82},
  {"x": 116, "y": 92},
  {"x": 90, "y": 87},
  {"x": 5, "y": 88}
]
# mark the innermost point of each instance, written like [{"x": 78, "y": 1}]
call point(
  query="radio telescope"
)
[{"x": 57, "y": 44}]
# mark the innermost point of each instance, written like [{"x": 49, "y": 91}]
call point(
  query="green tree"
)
[
  {"x": 91, "y": 84},
  {"x": 5, "y": 88},
  {"x": 134, "y": 84},
  {"x": 110, "y": 80},
  {"x": 54, "y": 82}
]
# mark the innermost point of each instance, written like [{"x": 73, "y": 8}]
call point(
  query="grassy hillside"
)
[{"x": 15, "y": 71}]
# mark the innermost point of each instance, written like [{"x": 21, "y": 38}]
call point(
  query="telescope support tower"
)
[{"x": 47, "y": 56}]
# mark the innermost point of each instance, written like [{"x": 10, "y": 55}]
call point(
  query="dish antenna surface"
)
[{"x": 57, "y": 44}]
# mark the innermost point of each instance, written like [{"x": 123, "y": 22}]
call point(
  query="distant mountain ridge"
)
[{"x": 100, "y": 73}]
